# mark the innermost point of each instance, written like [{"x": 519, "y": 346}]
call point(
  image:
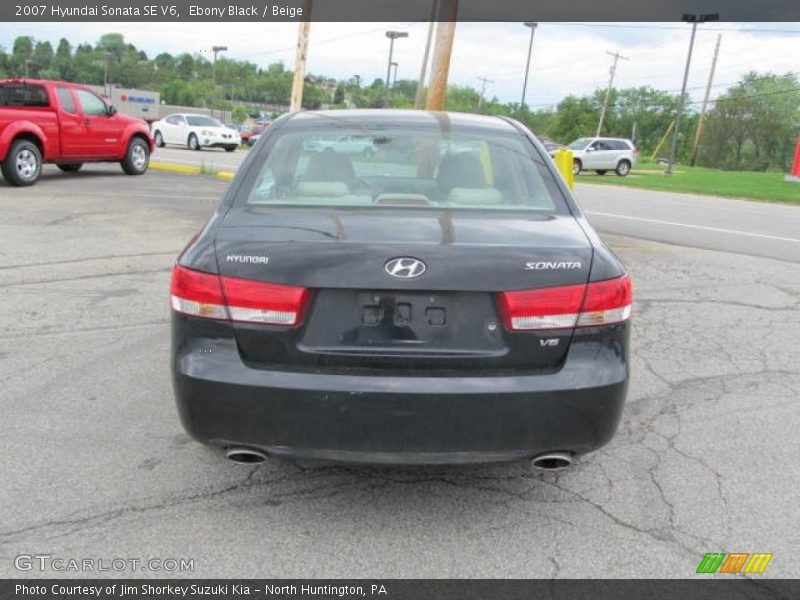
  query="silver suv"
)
[{"x": 603, "y": 154}]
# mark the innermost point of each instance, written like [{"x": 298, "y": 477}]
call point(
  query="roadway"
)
[{"x": 96, "y": 464}]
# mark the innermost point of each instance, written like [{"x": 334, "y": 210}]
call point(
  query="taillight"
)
[
  {"x": 565, "y": 307},
  {"x": 258, "y": 302},
  {"x": 229, "y": 298}
]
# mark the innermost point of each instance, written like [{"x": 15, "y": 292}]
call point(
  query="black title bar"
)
[{"x": 391, "y": 10}]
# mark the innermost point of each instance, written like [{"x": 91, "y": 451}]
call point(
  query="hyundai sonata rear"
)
[{"x": 440, "y": 300}]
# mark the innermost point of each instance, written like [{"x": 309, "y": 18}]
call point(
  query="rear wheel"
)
[
  {"x": 159, "y": 139},
  {"x": 70, "y": 167},
  {"x": 576, "y": 166},
  {"x": 23, "y": 164},
  {"x": 601, "y": 171},
  {"x": 137, "y": 157},
  {"x": 193, "y": 143},
  {"x": 623, "y": 168}
]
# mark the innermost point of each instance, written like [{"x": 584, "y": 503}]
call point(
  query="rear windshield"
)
[
  {"x": 23, "y": 94},
  {"x": 405, "y": 167},
  {"x": 199, "y": 120},
  {"x": 579, "y": 144}
]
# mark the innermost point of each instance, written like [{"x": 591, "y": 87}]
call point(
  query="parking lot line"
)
[{"x": 690, "y": 226}]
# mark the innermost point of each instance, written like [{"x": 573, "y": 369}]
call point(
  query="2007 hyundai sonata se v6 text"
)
[{"x": 400, "y": 287}]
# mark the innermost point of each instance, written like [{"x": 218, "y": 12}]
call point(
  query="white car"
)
[
  {"x": 603, "y": 154},
  {"x": 195, "y": 132}
]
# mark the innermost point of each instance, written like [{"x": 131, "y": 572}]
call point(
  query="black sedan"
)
[{"x": 447, "y": 303}]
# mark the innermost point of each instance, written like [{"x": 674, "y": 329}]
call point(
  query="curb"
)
[{"x": 189, "y": 170}]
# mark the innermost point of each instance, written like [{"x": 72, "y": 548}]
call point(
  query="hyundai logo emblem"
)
[{"x": 405, "y": 267}]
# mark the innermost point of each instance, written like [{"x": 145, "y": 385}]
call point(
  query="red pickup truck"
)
[{"x": 65, "y": 124}]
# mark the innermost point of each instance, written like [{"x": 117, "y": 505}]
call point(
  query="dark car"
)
[{"x": 450, "y": 304}]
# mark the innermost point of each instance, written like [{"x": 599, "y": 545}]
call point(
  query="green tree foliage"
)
[{"x": 753, "y": 125}]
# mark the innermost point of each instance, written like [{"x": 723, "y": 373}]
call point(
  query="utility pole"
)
[
  {"x": 106, "y": 57},
  {"x": 694, "y": 20},
  {"x": 445, "y": 34},
  {"x": 701, "y": 120},
  {"x": 28, "y": 63},
  {"x": 612, "y": 72},
  {"x": 394, "y": 81},
  {"x": 392, "y": 35},
  {"x": 216, "y": 50},
  {"x": 533, "y": 27},
  {"x": 303, "y": 33},
  {"x": 358, "y": 80},
  {"x": 419, "y": 98},
  {"x": 483, "y": 81}
]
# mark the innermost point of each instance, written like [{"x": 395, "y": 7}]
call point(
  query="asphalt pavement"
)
[{"x": 95, "y": 463}]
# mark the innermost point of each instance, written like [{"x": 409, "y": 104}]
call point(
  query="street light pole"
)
[
  {"x": 392, "y": 35},
  {"x": 694, "y": 20},
  {"x": 216, "y": 50},
  {"x": 533, "y": 27},
  {"x": 394, "y": 82}
]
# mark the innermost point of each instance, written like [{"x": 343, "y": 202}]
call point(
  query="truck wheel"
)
[
  {"x": 623, "y": 168},
  {"x": 193, "y": 143},
  {"x": 159, "y": 139},
  {"x": 70, "y": 167},
  {"x": 576, "y": 166},
  {"x": 137, "y": 157},
  {"x": 23, "y": 164}
]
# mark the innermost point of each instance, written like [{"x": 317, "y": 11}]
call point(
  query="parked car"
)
[
  {"x": 245, "y": 132},
  {"x": 195, "y": 132},
  {"x": 549, "y": 145},
  {"x": 66, "y": 124},
  {"x": 429, "y": 307},
  {"x": 602, "y": 155}
]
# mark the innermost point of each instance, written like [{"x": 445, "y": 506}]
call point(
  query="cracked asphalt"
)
[{"x": 95, "y": 463}]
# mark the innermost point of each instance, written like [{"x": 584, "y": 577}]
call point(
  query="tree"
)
[{"x": 63, "y": 60}]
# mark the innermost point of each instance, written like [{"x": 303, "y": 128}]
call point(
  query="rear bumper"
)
[{"x": 399, "y": 419}]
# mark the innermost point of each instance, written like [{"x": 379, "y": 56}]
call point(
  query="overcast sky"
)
[{"x": 568, "y": 58}]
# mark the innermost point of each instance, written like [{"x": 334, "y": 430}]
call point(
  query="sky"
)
[{"x": 568, "y": 58}]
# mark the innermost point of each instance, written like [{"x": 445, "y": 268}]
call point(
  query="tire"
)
[
  {"x": 623, "y": 168},
  {"x": 23, "y": 164},
  {"x": 70, "y": 167},
  {"x": 159, "y": 139},
  {"x": 230, "y": 148},
  {"x": 192, "y": 142},
  {"x": 601, "y": 171},
  {"x": 368, "y": 152},
  {"x": 576, "y": 166},
  {"x": 137, "y": 157}
]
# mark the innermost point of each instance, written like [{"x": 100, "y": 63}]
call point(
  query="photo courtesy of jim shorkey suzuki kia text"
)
[{"x": 197, "y": 590}]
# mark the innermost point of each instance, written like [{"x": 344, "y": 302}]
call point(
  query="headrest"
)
[{"x": 460, "y": 170}]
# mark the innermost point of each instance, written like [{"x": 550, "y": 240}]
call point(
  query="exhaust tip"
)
[
  {"x": 552, "y": 461},
  {"x": 245, "y": 456}
]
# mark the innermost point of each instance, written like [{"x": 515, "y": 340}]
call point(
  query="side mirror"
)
[
  {"x": 111, "y": 110},
  {"x": 590, "y": 149}
]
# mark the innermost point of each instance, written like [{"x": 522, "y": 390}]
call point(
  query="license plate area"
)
[{"x": 428, "y": 322}]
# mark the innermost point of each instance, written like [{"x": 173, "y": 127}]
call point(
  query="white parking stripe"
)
[{"x": 689, "y": 226}]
